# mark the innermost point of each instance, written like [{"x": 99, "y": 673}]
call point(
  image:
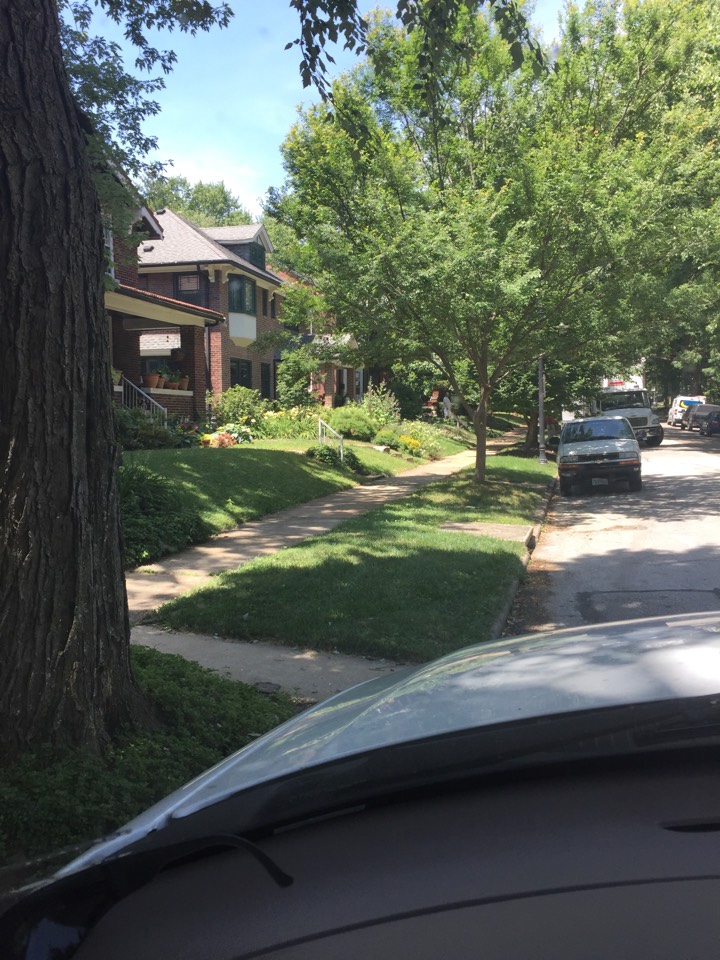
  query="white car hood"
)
[{"x": 599, "y": 448}]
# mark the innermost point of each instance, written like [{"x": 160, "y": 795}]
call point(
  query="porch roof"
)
[{"x": 133, "y": 302}]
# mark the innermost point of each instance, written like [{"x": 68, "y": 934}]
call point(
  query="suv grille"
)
[
  {"x": 598, "y": 457},
  {"x": 638, "y": 421}
]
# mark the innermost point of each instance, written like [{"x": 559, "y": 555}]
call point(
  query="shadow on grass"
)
[{"x": 409, "y": 596}]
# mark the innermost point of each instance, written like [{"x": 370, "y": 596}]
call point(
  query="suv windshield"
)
[
  {"x": 624, "y": 399},
  {"x": 584, "y": 430}
]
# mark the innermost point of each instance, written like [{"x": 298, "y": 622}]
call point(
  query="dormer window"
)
[{"x": 256, "y": 255}]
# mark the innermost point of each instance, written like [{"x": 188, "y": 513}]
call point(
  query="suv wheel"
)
[
  {"x": 636, "y": 483},
  {"x": 565, "y": 487}
]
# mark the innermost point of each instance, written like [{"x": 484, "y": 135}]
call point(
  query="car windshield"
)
[
  {"x": 586, "y": 430},
  {"x": 624, "y": 399}
]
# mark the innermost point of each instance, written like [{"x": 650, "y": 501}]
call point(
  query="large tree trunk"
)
[{"x": 64, "y": 634}]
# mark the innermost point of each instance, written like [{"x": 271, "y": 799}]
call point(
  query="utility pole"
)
[{"x": 541, "y": 409}]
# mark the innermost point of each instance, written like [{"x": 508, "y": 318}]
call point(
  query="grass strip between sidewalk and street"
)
[{"x": 389, "y": 584}]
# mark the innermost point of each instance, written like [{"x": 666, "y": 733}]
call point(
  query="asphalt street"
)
[{"x": 610, "y": 554}]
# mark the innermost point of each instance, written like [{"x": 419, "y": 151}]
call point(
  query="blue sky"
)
[{"x": 234, "y": 93}]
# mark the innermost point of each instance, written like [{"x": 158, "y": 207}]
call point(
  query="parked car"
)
[
  {"x": 598, "y": 451},
  {"x": 693, "y": 416},
  {"x": 679, "y": 406},
  {"x": 553, "y": 795},
  {"x": 710, "y": 424}
]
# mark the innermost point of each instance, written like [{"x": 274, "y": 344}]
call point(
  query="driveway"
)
[{"x": 616, "y": 555}]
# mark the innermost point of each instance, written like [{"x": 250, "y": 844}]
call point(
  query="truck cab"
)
[{"x": 632, "y": 403}]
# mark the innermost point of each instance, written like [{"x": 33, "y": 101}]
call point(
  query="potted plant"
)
[
  {"x": 150, "y": 380},
  {"x": 172, "y": 380},
  {"x": 116, "y": 377},
  {"x": 184, "y": 382}
]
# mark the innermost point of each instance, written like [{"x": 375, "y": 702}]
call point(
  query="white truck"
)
[{"x": 629, "y": 398}]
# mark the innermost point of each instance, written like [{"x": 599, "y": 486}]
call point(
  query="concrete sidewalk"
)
[
  {"x": 308, "y": 674},
  {"x": 150, "y": 586}
]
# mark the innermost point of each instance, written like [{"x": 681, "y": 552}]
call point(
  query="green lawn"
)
[
  {"x": 206, "y": 491},
  {"x": 389, "y": 584}
]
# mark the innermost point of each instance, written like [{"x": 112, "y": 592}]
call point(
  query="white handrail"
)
[
  {"x": 134, "y": 397},
  {"x": 324, "y": 429}
]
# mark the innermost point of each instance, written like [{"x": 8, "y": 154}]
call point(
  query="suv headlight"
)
[
  {"x": 569, "y": 458},
  {"x": 655, "y": 421}
]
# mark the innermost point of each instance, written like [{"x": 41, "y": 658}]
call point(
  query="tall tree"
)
[
  {"x": 65, "y": 676},
  {"x": 206, "y": 204},
  {"x": 502, "y": 217},
  {"x": 64, "y": 668}
]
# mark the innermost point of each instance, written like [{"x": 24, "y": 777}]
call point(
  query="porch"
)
[{"x": 151, "y": 332}]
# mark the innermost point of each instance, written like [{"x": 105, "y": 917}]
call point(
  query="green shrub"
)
[
  {"x": 380, "y": 405},
  {"x": 136, "y": 431},
  {"x": 51, "y": 798},
  {"x": 330, "y": 454},
  {"x": 353, "y": 422},
  {"x": 238, "y": 405},
  {"x": 387, "y": 437},
  {"x": 154, "y": 520}
]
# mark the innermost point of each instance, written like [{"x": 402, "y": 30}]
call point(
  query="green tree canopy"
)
[
  {"x": 509, "y": 215},
  {"x": 206, "y": 204}
]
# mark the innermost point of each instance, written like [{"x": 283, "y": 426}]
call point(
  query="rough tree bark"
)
[{"x": 65, "y": 675}]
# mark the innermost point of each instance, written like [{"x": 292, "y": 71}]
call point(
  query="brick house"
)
[
  {"x": 180, "y": 329},
  {"x": 222, "y": 270},
  {"x": 337, "y": 377}
]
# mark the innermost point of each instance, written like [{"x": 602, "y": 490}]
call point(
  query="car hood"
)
[
  {"x": 598, "y": 448},
  {"x": 485, "y": 686}
]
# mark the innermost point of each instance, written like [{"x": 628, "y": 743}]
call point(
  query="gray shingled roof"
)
[
  {"x": 242, "y": 233},
  {"x": 184, "y": 244}
]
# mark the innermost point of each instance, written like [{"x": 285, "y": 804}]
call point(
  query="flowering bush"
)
[
  {"x": 239, "y": 432},
  {"x": 222, "y": 439},
  {"x": 410, "y": 445},
  {"x": 229, "y": 435},
  {"x": 288, "y": 423}
]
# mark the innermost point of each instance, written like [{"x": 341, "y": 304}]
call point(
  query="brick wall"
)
[
  {"x": 125, "y": 350},
  {"x": 161, "y": 283},
  {"x": 126, "y": 263}
]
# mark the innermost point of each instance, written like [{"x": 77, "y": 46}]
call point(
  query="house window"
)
[
  {"x": 265, "y": 302},
  {"x": 256, "y": 255},
  {"x": 241, "y": 295},
  {"x": 240, "y": 373},
  {"x": 188, "y": 288},
  {"x": 265, "y": 381},
  {"x": 151, "y": 364},
  {"x": 272, "y": 306}
]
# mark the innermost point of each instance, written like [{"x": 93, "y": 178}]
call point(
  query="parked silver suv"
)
[{"x": 598, "y": 451}]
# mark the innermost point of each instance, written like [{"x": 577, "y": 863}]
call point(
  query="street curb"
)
[{"x": 498, "y": 626}]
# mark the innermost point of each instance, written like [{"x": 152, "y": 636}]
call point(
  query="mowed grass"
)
[
  {"x": 229, "y": 486},
  {"x": 389, "y": 584}
]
